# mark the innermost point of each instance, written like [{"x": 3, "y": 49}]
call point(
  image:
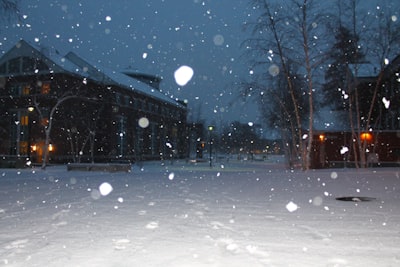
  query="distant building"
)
[
  {"x": 337, "y": 145},
  {"x": 104, "y": 115}
]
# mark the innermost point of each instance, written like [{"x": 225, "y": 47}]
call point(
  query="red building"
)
[
  {"x": 379, "y": 138},
  {"x": 338, "y": 149}
]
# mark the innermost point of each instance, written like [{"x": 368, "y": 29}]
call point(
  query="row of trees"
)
[
  {"x": 305, "y": 57},
  {"x": 235, "y": 138}
]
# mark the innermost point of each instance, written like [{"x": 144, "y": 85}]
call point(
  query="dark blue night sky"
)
[{"x": 155, "y": 37}]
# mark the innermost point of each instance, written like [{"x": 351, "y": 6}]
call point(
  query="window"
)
[
  {"x": 136, "y": 103},
  {"x": 14, "y": 65},
  {"x": 26, "y": 89},
  {"x": 45, "y": 89},
  {"x": 118, "y": 98},
  {"x": 45, "y": 122},
  {"x": 24, "y": 120},
  {"x": 23, "y": 148},
  {"x": 20, "y": 89},
  {"x": 3, "y": 68},
  {"x": 127, "y": 100},
  {"x": 28, "y": 64},
  {"x": 23, "y": 65},
  {"x": 15, "y": 89}
]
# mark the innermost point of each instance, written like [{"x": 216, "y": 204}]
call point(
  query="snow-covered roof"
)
[
  {"x": 76, "y": 65},
  {"x": 56, "y": 62},
  {"x": 112, "y": 77}
]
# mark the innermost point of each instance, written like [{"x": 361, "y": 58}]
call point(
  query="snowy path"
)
[{"x": 236, "y": 214}]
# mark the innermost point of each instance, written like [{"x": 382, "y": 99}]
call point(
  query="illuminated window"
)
[
  {"x": 23, "y": 147},
  {"x": 45, "y": 88},
  {"x": 366, "y": 137},
  {"x": 34, "y": 148},
  {"x": 26, "y": 90},
  {"x": 24, "y": 120},
  {"x": 45, "y": 122}
]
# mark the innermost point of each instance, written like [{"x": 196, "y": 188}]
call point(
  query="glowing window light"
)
[{"x": 366, "y": 137}]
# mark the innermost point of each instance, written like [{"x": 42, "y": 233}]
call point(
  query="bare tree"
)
[
  {"x": 49, "y": 121},
  {"x": 50, "y": 106},
  {"x": 381, "y": 41},
  {"x": 81, "y": 131},
  {"x": 290, "y": 33}
]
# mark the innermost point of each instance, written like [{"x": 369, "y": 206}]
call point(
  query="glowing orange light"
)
[
  {"x": 366, "y": 137},
  {"x": 34, "y": 148},
  {"x": 51, "y": 147},
  {"x": 45, "y": 88},
  {"x": 321, "y": 137}
]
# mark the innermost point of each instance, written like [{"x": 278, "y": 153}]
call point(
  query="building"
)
[
  {"x": 379, "y": 138},
  {"x": 91, "y": 113}
]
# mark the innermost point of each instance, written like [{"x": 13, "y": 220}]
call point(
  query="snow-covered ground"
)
[{"x": 186, "y": 214}]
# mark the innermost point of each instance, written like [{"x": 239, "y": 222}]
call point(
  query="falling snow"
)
[
  {"x": 105, "y": 189},
  {"x": 177, "y": 213},
  {"x": 344, "y": 150},
  {"x": 183, "y": 75},
  {"x": 386, "y": 102},
  {"x": 143, "y": 122},
  {"x": 291, "y": 207}
]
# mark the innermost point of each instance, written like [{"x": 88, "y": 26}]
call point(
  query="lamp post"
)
[
  {"x": 30, "y": 110},
  {"x": 210, "y": 129}
]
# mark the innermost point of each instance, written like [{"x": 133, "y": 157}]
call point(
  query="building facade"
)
[
  {"x": 83, "y": 111},
  {"x": 379, "y": 137}
]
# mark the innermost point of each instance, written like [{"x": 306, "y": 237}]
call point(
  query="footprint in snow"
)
[
  {"x": 228, "y": 244},
  {"x": 58, "y": 224},
  {"x": 254, "y": 250},
  {"x": 19, "y": 243},
  {"x": 189, "y": 201},
  {"x": 142, "y": 212},
  {"x": 152, "y": 225},
  {"x": 59, "y": 215},
  {"x": 337, "y": 262},
  {"x": 314, "y": 233},
  {"x": 219, "y": 225},
  {"x": 121, "y": 244}
]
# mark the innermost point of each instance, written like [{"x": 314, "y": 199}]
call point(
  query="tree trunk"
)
[
  {"x": 45, "y": 157},
  {"x": 307, "y": 159}
]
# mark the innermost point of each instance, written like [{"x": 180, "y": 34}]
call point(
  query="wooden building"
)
[
  {"x": 380, "y": 138},
  {"x": 91, "y": 113},
  {"x": 339, "y": 149}
]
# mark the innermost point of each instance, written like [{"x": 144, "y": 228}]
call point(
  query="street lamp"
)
[
  {"x": 210, "y": 129},
  {"x": 30, "y": 110}
]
